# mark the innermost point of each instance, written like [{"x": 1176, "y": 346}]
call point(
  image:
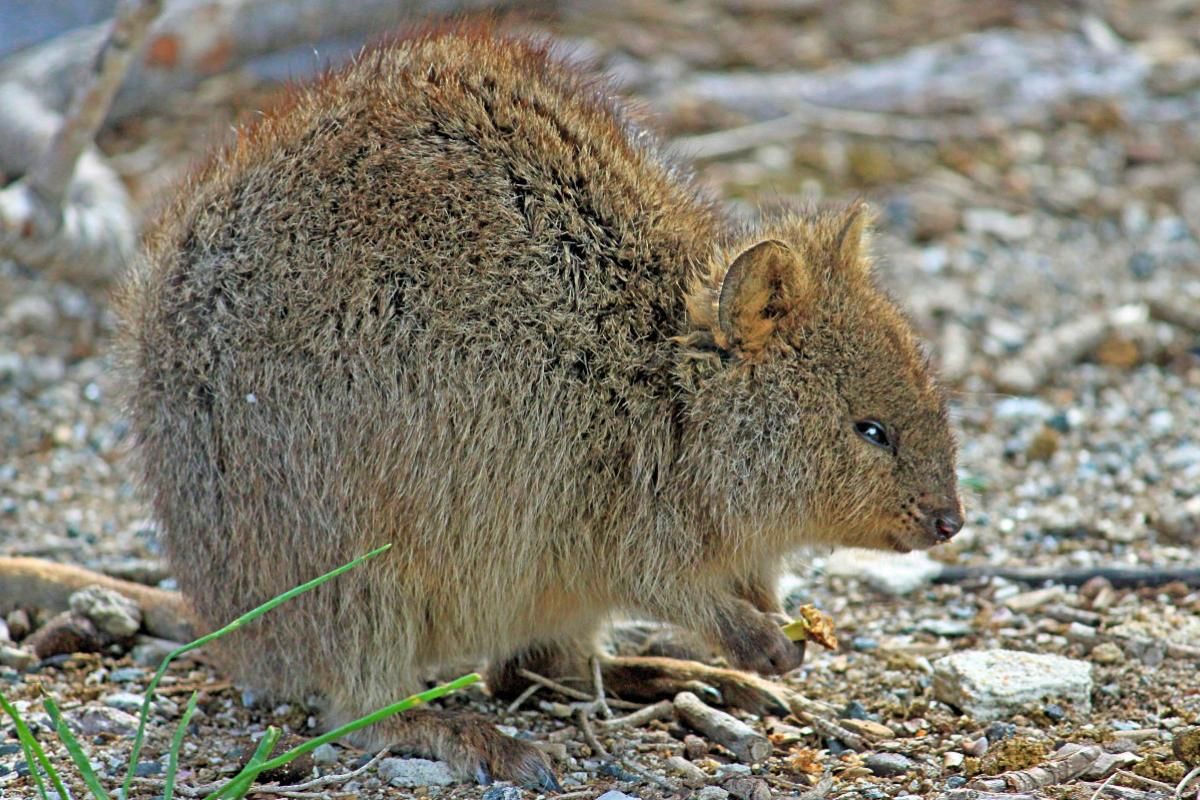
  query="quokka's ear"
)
[
  {"x": 853, "y": 241},
  {"x": 761, "y": 286}
]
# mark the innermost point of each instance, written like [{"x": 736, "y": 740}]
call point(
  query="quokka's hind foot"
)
[
  {"x": 468, "y": 743},
  {"x": 650, "y": 678}
]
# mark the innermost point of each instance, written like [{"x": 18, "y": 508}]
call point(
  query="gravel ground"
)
[{"x": 1053, "y": 263}]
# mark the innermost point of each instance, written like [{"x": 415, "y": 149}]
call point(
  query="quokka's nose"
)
[{"x": 946, "y": 523}]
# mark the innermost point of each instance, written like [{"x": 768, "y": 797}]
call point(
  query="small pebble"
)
[
  {"x": 955, "y": 782},
  {"x": 502, "y": 793},
  {"x": 746, "y": 788},
  {"x": 855, "y": 710},
  {"x": 694, "y": 747},
  {"x": 95, "y": 720},
  {"x": 126, "y": 675},
  {"x": 150, "y": 651},
  {"x": 945, "y": 627},
  {"x": 711, "y": 793},
  {"x": 124, "y": 701},
  {"x": 999, "y": 731},
  {"x": 325, "y": 755},
  {"x": 31, "y": 315},
  {"x": 613, "y": 794},
  {"x": 18, "y": 624},
  {"x": 1107, "y": 653},
  {"x": 691, "y": 774},
  {"x": 953, "y": 760},
  {"x": 870, "y": 728},
  {"x": 16, "y": 657},
  {"x": 976, "y": 747},
  {"x": 887, "y": 765}
]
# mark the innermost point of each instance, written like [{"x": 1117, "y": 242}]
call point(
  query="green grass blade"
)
[
  {"x": 240, "y": 784},
  {"x": 241, "y": 621},
  {"x": 362, "y": 722},
  {"x": 176, "y": 743},
  {"x": 29, "y": 745},
  {"x": 72, "y": 744}
]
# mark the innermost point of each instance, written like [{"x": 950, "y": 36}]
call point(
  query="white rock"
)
[
  {"x": 1022, "y": 407},
  {"x": 95, "y": 720},
  {"x": 993, "y": 684},
  {"x": 15, "y": 657},
  {"x": 1034, "y": 599},
  {"x": 890, "y": 573},
  {"x": 413, "y": 772},
  {"x": 613, "y": 794},
  {"x": 31, "y": 314},
  {"x": 125, "y": 701},
  {"x": 112, "y": 613},
  {"x": 998, "y": 223}
]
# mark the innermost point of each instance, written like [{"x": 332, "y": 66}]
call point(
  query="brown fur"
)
[{"x": 452, "y": 300}]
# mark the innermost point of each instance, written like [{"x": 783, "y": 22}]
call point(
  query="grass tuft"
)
[{"x": 238, "y": 786}]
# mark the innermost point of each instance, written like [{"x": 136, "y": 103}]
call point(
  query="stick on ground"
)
[{"x": 747, "y": 744}]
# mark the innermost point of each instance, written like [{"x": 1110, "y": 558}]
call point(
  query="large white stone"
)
[{"x": 994, "y": 684}]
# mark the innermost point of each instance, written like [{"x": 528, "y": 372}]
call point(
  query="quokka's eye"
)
[{"x": 873, "y": 432}]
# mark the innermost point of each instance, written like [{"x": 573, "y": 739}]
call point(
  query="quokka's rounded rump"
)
[{"x": 451, "y": 297}]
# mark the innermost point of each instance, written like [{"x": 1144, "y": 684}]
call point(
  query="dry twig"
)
[
  {"x": 574, "y": 694},
  {"x": 529, "y": 692},
  {"x": 747, "y": 744},
  {"x": 663, "y": 709},
  {"x": 1069, "y": 762},
  {"x": 583, "y": 719},
  {"x": 1187, "y": 780},
  {"x": 1119, "y": 577}
]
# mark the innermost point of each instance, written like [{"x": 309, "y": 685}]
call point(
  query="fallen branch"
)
[
  {"x": 1119, "y": 577},
  {"x": 1173, "y": 312},
  {"x": 810, "y": 116},
  {"x": 1063, "y": 345},
  {"x": 34, "y": 583},
  {"x": 747, "y": 744},
  {"x": 63, "y": 215},
  {"x": 69, "y": 214},
  {"x": 195, "y": 39},
  {"x": 1069, "y": 762},
  {"x": 50, "y": 175}
]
